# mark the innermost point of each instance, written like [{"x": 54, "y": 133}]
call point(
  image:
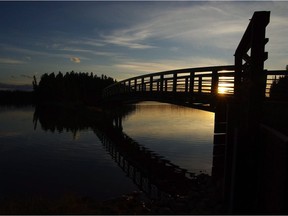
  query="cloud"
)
[
  {"x": 98, "y": 53},
  {"x": 10, "y": 61},
  {"x": 182, "y": 25},
  {"x": 75, "y": 59},
  {"x": 87, "y": 41},
  {"x": 127, "y": 40},
  {"x": 135, "y": 66},
  {"x": 31, "y": 51},
  {"x": 26, "y": 76}
]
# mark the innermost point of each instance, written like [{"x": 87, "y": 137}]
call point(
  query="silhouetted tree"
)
[
  {"x": 279, "y": 89},
  {"x": 72, "y": 87},
  {"x": 34, "y": 83}
]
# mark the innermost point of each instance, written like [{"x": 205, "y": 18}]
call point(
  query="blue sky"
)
[{"x": 124, "y": 39}]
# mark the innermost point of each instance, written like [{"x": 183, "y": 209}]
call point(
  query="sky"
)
[{"x": 125, "y": 39}]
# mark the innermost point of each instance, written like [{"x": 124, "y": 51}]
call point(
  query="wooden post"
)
[
  {"x": 166, "y": 87},
  {"x": 174, "y": 82},
  {"x": 186, "y": 84},
  {"x": 142, "y": 85},
  {"x": 219, "y": 146},
  {"x": 191, "y": 85},
  {"x": 129, "y": 85},
  {"x": 250, "y": 84},
  {"x": 214, "y": 87},
  {"x": 161, "y": 82},
  {"x": 199, "y": 84},
  {"x": 191, "y": 88},
  {"x": 151, "y": 83},
  {"x": 214, "y": 84},
  {"x": 135, "y": 84}
]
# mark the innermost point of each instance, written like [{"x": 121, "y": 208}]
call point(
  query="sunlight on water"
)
[
  {"x": 61, "y": 156},
  {"x": 183, "y": 135}
]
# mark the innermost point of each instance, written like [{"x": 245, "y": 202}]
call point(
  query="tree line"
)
[{"x": 82, "y": 88}]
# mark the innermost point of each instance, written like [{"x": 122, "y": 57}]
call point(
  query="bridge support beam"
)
[{"x": 219, "y": 146}]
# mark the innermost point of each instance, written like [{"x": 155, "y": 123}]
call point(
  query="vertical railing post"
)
[
  {"x": 129, "y": 85},
  {"x": 142, "y": 84},
  {"x": 161, "y": 82},
  {"x": 186, "y": 84},
  {"x": 214, "y": 84},
  {"x": 199, "y": 84},
  {"x": 166, "y": 85},
  {"x": 174, "y": 82},
  {"x": 135, "y": 84},
  {"x": 151, "y": 83},
  {"x": 191, "y": 88}
]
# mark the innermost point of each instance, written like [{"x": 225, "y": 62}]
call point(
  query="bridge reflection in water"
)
[
  {"x": 153, "y": 174},
  {"x": 156, "y": 176}
]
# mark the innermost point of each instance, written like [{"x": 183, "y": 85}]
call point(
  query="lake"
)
[{"x": 45, "y": 157}]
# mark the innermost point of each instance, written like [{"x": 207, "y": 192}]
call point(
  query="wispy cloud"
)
[
  {"x": 139, "y": 67},
  {"x": 179, "y": 24},
  {"x": 75, "y": 59},
  {"x": 87, "y": 41},
  {"x": 11, "y": 61},
  {"x": 126, "y": 40},
  {"x": 26, "y": 76},
  {"x": 93, "y": 52},
  {"x": 32, "y": 52}
]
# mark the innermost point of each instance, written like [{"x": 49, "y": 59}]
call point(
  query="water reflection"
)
[
  {"x": 39, "y": 157},
  {"x": 55, "y": 118},
  {"x": 182, "y": 134},
  {"x": 51, "y": 164},
  {"x": 158, "y": 177}
]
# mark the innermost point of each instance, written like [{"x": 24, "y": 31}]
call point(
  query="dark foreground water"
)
[{"x": 47, "y": 161}]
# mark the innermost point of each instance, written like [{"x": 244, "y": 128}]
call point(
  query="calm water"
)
[{"x": 38, "y": 162}]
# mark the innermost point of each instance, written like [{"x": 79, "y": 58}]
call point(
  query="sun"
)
[{"x": 222, "y": 90}]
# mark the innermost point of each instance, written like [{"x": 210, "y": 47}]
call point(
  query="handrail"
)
[{"x": 201, "y": 80}]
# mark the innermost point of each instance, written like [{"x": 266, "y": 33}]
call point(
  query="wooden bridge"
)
[
  {"x": 198, "y": 87},
  {"x": 237, "y": 94}
]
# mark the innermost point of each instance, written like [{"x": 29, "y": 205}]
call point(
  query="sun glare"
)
[{"x": 222, "y": 90}]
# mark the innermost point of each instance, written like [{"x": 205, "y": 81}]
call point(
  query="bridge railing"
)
[
  {"x": 273, "y": 75},
  {"x": 202, "y": 80}
]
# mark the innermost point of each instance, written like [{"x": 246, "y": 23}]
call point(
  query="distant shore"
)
[{"x": 17, "y": 97}]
